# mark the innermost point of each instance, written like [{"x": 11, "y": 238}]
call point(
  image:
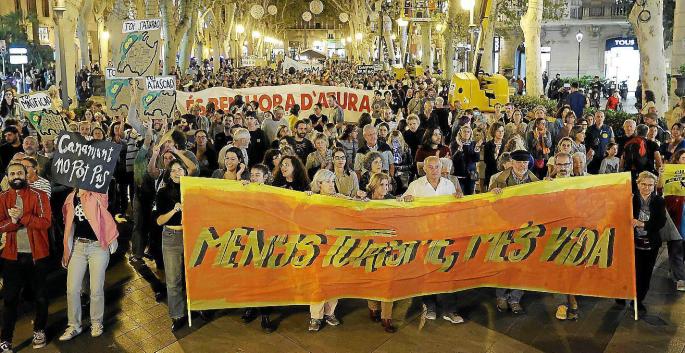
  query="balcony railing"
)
[{"x": 614, "y": 11}]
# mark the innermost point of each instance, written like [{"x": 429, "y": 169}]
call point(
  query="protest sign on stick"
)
[
  {"x": 37, "y": 106},
  {"x": 83, "y": 164}
]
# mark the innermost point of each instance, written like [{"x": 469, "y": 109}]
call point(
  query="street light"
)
[
  {"x": 402, "y": 22},
  {"x": 105, "y": 35},
  {"x": 579, "y": 38},
  {"x": 358, "y": 36},
  {"x": 256, "y": 34},
  {"x": 469, "y": 5},
  {"x": 60, "y": 8},
  {"x": 240, "y": 29}
]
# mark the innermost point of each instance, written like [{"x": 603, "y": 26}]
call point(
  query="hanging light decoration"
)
[
  {"x": 272, "y": 10},
  {"x": 344, "y": 17},
  {"x": 307, "y": 16},
  {"x": 257, "y": 11},
  {"x": 316, "y": 7}
]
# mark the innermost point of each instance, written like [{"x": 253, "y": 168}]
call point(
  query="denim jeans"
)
[
  {"x": 511, "y": 295},
  {"x": 92, "y": 257},
  {"x": 172, "y": 252}
]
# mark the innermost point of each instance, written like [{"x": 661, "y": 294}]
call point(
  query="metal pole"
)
[
  {"x": 23, "y": 80},
  {"x": 64, "y": 95},
  {"x": 380, "y": 37},
  {"x": 578, "y": 73}
]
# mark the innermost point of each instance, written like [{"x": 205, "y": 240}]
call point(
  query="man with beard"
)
[
  {"x": 11, "y": 146},
  {"x": 30, "y": 145},
  {"x": 25, "y": 217},
  {"x": 300, "y": 144},
  {"x": 563, "y": 167}
]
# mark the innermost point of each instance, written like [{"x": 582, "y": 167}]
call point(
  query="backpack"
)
[{"x": 635, "y": 155}]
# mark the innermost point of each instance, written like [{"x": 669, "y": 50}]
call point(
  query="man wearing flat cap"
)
[{"x": 517, "y": 175}]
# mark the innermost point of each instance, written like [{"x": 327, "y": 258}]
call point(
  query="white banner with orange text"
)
[{"x": 354, "y": 102}]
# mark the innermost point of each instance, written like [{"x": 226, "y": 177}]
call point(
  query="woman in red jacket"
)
[{"x": 613, "y": 101}]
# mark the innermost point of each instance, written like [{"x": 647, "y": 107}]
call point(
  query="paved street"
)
[{"x": 134, "y": 322}]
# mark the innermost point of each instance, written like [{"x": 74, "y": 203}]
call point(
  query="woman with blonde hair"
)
[
  {"x": 323, "y": 183},
  {"x": 378, "y": 188}
]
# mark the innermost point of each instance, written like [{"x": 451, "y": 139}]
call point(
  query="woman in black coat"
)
[
  {"x": 649, "y": 216},
  {"x": 493, "y": 149}
]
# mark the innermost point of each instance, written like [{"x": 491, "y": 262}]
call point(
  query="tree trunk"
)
[
  {"x": 678, "y": 46},
  {"x": 531, "y": 26},
  {"x": 85, "y": 15},
  {"x": 34, "y": 22},
  {"x": 426, "y": 46},
  {"x": 507, "y": 54},
  {"x": 174, "y": 28},
  {"x": 650, "y": 40},
  {"x": 488, "y": 38},
  {"x": 68, "y": 29},
  {"x": 450, "y": 35}
]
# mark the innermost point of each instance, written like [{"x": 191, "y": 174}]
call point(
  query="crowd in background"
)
[{"x": 413, "y": 143}]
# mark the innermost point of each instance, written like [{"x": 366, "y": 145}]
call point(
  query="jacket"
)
[
  {"x": 36, "y": 219},
  {"x": 102, "y": 222},
  {"x": 504, "y": 179},
  {"x": 657, "y": 216}
]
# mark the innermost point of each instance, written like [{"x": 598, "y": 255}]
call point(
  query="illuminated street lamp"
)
[
  {"x": 240, "y": 29},
  {"x": 105, "y": 35},
  {"x": 402, "y": 22},
  {"x": 256, "y": 34},
  {"x": 579, "y": 38},
  {"x": 358, "y": 36}
]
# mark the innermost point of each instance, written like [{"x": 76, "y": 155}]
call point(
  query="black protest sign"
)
[{"x": 83, "y": 164}]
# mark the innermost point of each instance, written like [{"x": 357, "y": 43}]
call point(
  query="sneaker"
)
[
  {"x": 96, "y": 330},
  {"x": 5, "y": 347},
  {"x": 516, "y": 308},
  {"x": 453, "y": 318},
  {"x": 39, "y": 340},
  {"x": 680, "y": 286},
  {"x": 502, "y": 305},
  {"x": 562, "y": 312},
  {"x": 70, "y": 333},
  {"x": 314, "y": 325},
  {"x": 332, "y": 320},
  {"x": 430, "y": 313}
]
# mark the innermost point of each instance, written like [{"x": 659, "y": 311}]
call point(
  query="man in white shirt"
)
[{"x": 433, "y": 184}]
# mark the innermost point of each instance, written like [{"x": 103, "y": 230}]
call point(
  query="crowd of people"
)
[{"x": 412, "y": 144}]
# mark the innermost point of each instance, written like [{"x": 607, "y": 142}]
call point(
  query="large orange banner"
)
[{"x": 256, "y": 245}]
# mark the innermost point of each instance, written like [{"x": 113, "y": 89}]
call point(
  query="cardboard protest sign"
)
[
  {"x": 673, "y": 179},
  {"x": 39, "y": 112},
  {"x": 570, "y": 236},
  {"x": 83, "y": 164},
  {"x": 136, "y": 48}
]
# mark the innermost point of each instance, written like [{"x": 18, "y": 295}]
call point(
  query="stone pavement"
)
[{"x": 134, "y": 322}]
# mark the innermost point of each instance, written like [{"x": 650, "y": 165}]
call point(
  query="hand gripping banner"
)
[{"x": 255, "y": 245}]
